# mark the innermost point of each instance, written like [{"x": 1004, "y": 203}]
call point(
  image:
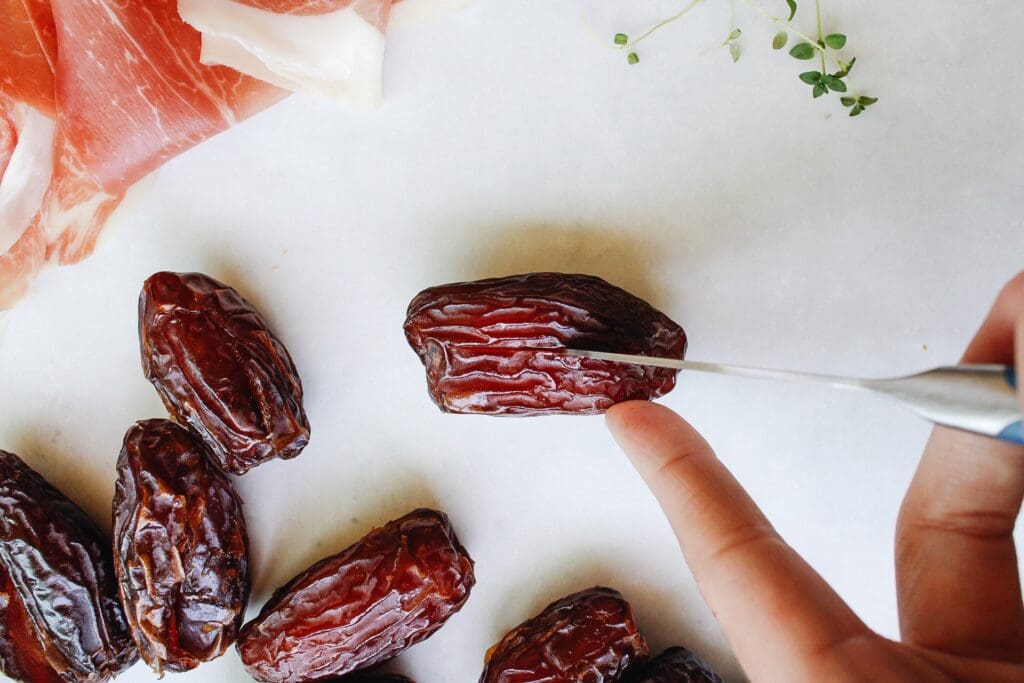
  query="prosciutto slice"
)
[
  {"x": 41, "y": 16},
  {"x": 26, "y": 72},
  {"x": 329, "y": 48},
  {"x": 128, "y": 92},
  {"x": 8, "y": 134},
  {"x": 96, "y": 94},
  {"x": 131, "y": 94},
  {"x": 26, "y": 143}
]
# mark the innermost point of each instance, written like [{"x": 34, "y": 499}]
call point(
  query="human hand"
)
[{"x": 958, "y": 586}]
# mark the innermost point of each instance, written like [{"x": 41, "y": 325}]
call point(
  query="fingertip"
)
[
  {"x": 1016, "y": 285},
  {"x": 651, "y": 434},
  {"x": 633, "y": 416},
  {"x": 993, "y": 342},
  {"x": 636, "y": 424},
  {"x": 1010, "y": 301}
]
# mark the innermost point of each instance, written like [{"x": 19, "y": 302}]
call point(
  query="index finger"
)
[{"x": 773, "y": 607}]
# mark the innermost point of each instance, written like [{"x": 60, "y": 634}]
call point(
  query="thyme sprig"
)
[{"x": 833, "y": 75}]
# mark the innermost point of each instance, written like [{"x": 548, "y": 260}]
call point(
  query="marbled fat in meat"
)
[
  {"x": 328, "y": 48},
  {"x": 125, "y": 82},
  {"x": 299, "y": 7},
  {"x": 8, "y": 134},
  {"x": 26, "y": 141},
  {"x": 26, "y": 74}
]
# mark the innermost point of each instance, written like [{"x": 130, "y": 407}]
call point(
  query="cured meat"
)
[
  {"x": 330, "y": 48},
  {"x": 128, "y": 92},
  {"x": 26, "y": 139},
  {"x": 41, "y": 16},
  {"x": 25, "y": 165},
  {"x": 124, "y": 122},
  {"x": 8, "y": 135},
  {"x": 409, "y": 9},
  {"x": 118, "y": 124},
  {"x": 76, "y": 206},
  {"x": 131, "y": 85},
  {"x": 300, "y": 7},
  {"x": 26, "y": 73}
]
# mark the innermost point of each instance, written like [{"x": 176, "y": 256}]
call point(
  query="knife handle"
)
[
  {"x": 978, "y": 398},
  {"x": 1013, "y": 433}
]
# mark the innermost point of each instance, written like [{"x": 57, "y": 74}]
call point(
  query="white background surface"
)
[{"x": 777, "y": 231}]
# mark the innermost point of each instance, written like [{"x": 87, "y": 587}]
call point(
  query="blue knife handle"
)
[{"x": 1015, "y": 432}]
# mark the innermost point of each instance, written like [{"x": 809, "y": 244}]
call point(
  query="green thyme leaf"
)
[
  {"x": 834, "y": 83},
  {"x": 780, "y": 40},
  {"x": 734, "y": 52},
  {"x": 810, "y": 77},
  {"x": 836, "y": 41},
  {"x": 792, "y": 9},
  {"x": 633, "y": 58},
  {"x": 803, "y": 51},
  {"x": 848, "y": 101},
  {"x": 621, "y": 39}
]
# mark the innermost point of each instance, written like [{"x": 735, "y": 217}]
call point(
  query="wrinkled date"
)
[
  {"x": 479, "y": 342},
  {"x": 220, "y": 370},
  {"x": 359, "y": 608},
  {"x": 60, "y": 619},
  {"x": 379, "y": 678},
  {"x": 587, "y": 637},
  {"x": 22, "y": 657},
  {"x": 675, "y": 665},
  {"x": 180, "y": 547}
]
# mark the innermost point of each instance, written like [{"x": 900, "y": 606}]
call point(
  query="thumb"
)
[{"x": 1020, "y": 361}]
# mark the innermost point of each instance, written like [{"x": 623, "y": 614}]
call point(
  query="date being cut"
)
[
  {"x": 60, "y": 619},
  {"x": 485, "y": 345},
  {"x": 363, "y": 606},
  {"x": 220, "y": 370},
  {"x": 180, "y": 546},
  {"x": 587, "y": 637},
  {"x": 674, "y": 665}
]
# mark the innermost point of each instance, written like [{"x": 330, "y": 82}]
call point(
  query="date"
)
[
  {"x": 61, "y": 618},
  {"x": 22, "y": 657},
  {"x": 180, "y": 548},
  {"x": 674, "y": 665},
  {"x": 493, "y": 346},
  {"x": 587, "y": 637},
  {"x": 220, "y": 370},
  {"x": 370, "y": 678},
  {"x": 363, "y": 606}
]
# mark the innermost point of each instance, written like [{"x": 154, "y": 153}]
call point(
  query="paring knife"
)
[{"x": 974, "y": 398}]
